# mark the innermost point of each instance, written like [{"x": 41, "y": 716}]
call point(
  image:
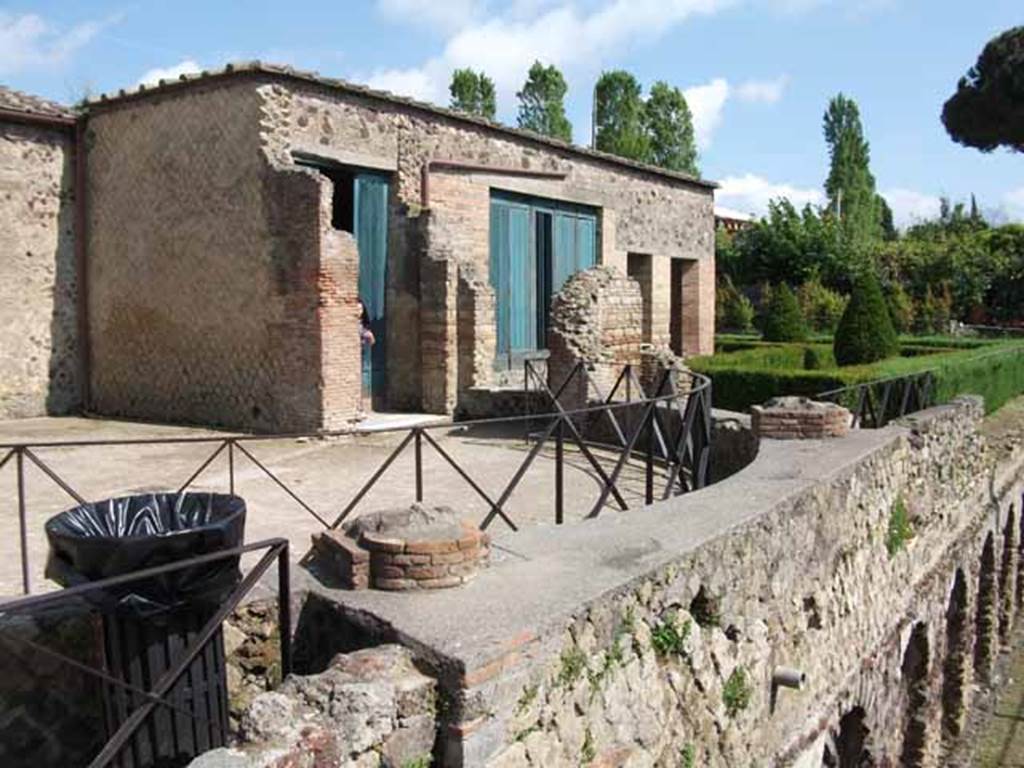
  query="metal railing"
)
[
  {"x": 670, "y": 430},
  {"x": 141, "y": 704},
  {"x": 874, "y": 404}
]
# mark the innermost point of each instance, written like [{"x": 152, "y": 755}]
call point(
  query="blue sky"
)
[{"x": 758, "y": 73}]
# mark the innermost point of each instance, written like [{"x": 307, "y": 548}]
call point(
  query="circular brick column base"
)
[
  {"x": 410, "y": 548},
  {"x": 799, "y": 418}
]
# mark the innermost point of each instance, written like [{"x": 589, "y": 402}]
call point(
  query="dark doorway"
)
[{"x": 675, "y": 307}]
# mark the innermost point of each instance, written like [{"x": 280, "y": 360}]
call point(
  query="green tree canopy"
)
[
  {"x": 987, "y": 110},
  {"x": 542, "y": 103},
  {"x": 670, "y": 130},
  {"x": 472, "y": 93},
  {"x": 850, "y": 185},
  {"x": 619, "y": 117}
]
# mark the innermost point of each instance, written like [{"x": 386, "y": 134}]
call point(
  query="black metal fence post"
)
[
  {"x": 231, "y": 466},
  {"x": 419, "y": 463},
  {"x": 559, "y": 473},
  {"x": 284, "y": 608},
  {"x": 19, "y": 463},
  {"x": 649, "y": 468}
]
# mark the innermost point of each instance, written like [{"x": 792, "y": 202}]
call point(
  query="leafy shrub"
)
[
  {"x": 935, "y": 310},
  {"x": 901, "y": 308},
  {"x": 733, "y": 310},
  {"x": 865, "y": 333},
  {"x": 821, "y": 306},
  {"x": 783, "y": 320},
  {"x": 812, "y": 360}
]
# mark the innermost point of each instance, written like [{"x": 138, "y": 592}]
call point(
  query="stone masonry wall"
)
[
  {"x": 39, "y": 364},
  {"x": 218, "y": 294},
  {"x": 676, "y": 668}
]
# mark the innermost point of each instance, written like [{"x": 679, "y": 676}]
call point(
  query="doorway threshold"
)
[{"x": 379, "y": 422}]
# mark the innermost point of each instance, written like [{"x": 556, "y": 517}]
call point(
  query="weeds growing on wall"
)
[
  {"x": 899, "y": 530},
  {"x": 688, "y": 757},
  {"x": 573, "y": 664},
  {"x": 667, "y": 639},
  {"x": 736, "y": 692}
]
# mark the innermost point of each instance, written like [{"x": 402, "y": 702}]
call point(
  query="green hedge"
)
[{"x": 758, "y": 371}]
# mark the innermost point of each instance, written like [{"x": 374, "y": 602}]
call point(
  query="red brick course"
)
[
  {"x": 395, "y": 564},
  {"x": 793, "y": 418}
]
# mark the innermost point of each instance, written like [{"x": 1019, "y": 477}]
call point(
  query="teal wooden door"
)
[
  {"x": 513, "y": 276},
  {"x": 536, "y": 245},
  {"x": 575, "y": 246},
  {"x": 371, "y": 233}
]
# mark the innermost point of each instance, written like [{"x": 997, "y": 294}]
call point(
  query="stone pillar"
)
[
  {"x": 698, "y": 306},
  {"x": 438, "y": 334}
]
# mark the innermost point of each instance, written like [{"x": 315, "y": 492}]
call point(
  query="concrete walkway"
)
[{"x": 326, "y": 474}]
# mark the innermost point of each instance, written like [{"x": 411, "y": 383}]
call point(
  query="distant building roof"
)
[
  {"x": 16, "y": 101},
  {"x": 722, "y": 212},
  {"x": 288, "y": 73}
]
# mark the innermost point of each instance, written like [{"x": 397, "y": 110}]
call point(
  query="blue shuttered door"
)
[
  {"x": 536, "y": 245},
  {"x": 513, "y": 276},
  {"x": 371, "y": 233},
  {"x": 575, "y": 246}
]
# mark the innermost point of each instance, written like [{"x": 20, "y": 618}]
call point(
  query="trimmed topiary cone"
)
[
  {"x": 865, "y": 333},
  {"x": 784, "y": 321}
]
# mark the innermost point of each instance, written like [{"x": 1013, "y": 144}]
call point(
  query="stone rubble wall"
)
[
  {"x": 676, "y": 669},
  {"x": 369, "y": 708},
  {"x": 39, "y": 367}
]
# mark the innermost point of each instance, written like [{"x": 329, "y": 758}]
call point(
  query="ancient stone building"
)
[
  {"x": 38, "y": 349},
  {"x": 234, "y": 220}
]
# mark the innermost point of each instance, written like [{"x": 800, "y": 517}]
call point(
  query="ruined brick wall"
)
[
  {"x": 639, "y": 211},
  {"x": 39, "y": 364},
  {"x": 218, "y": 294},
  {"x": 596, "y": 320}
]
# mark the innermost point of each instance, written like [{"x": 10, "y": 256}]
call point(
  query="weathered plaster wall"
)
[
  {"x": 650, "y": 638},
  {"x": 39, "y": 363},
  {"x": 218, "y": 292},
  {"x": 639, "y": 212}
]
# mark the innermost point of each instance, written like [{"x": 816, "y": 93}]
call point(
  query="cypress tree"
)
[{"x": 850, "y": 185}]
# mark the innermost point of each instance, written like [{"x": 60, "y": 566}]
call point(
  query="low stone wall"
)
[{"x": 652, "y": 638}]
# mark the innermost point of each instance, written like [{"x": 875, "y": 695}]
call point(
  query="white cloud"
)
[
  {"x": 706, "y": 103},
  {"x": 751, "y": 194},
  {"x": 173, "y": 72},
  {"x": 575, "y": 40},
  {"x": 1013, "y": 204},
  {"x": 446, "y": 14},
  {"x": 911, "y": 207},
  {"x": 762, "y": 91},
  {"x": 29, "y": 42}
]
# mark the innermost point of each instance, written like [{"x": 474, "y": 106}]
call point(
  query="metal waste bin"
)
[{"x": 148, "y": 623}]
